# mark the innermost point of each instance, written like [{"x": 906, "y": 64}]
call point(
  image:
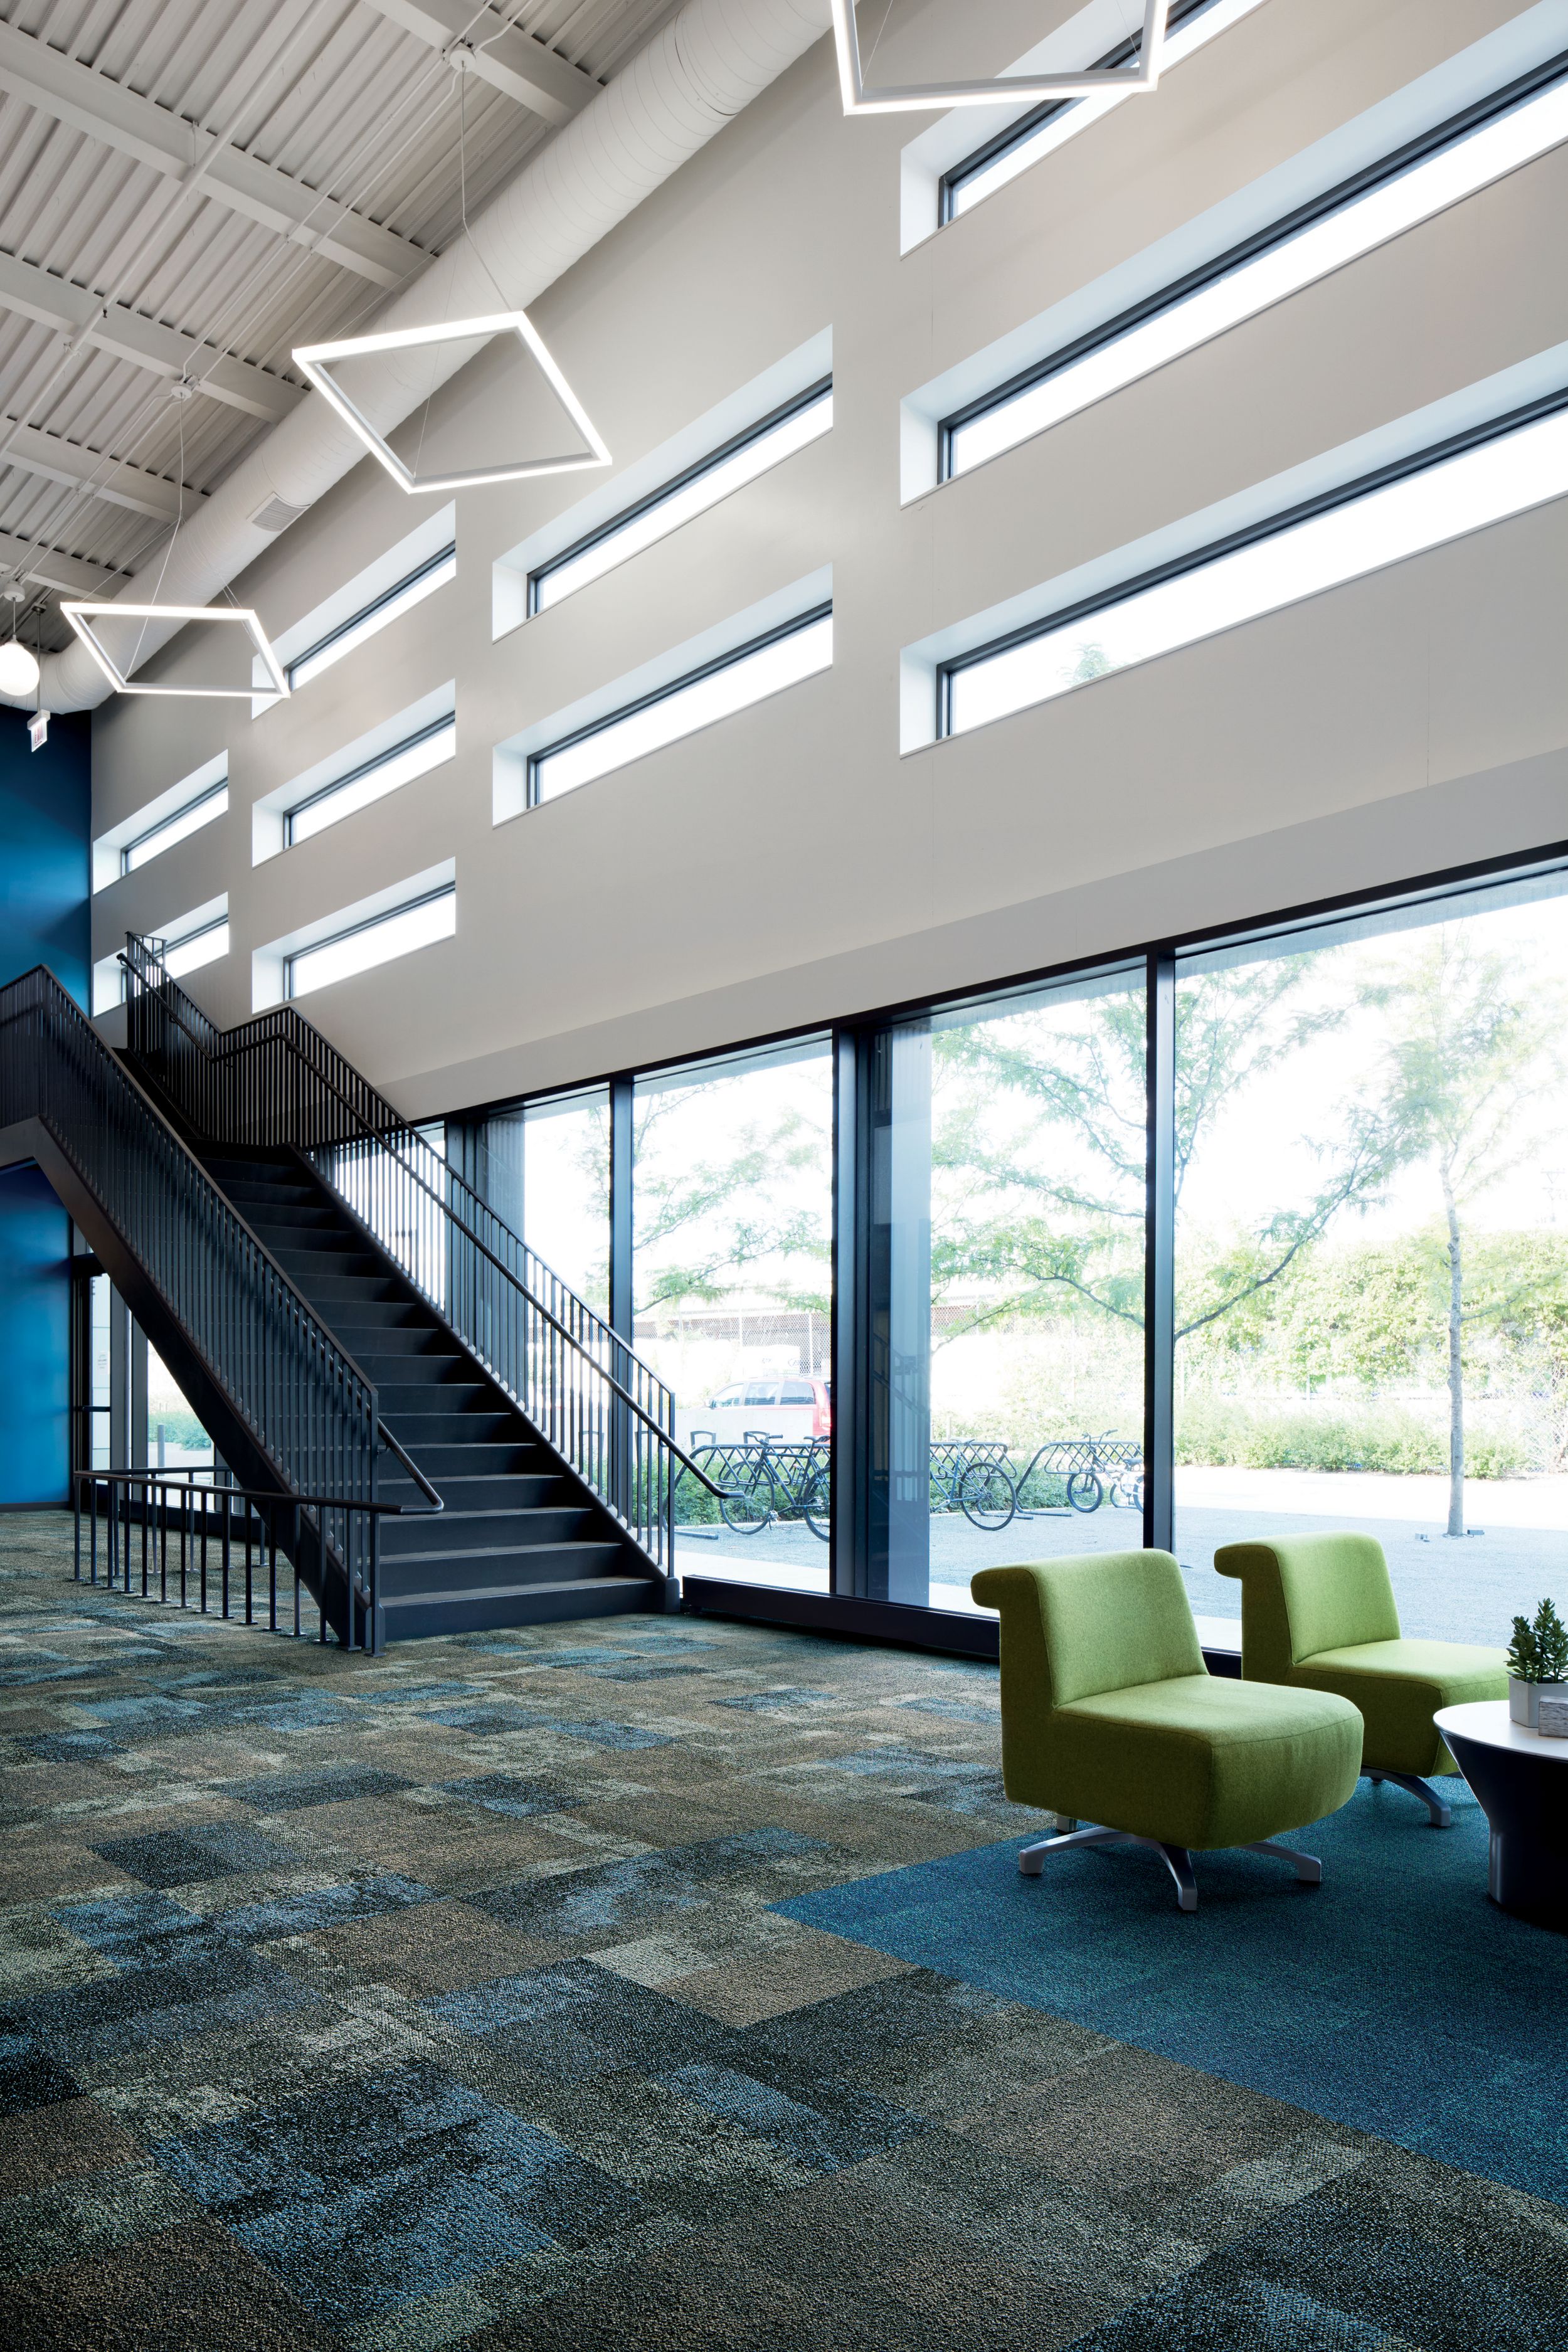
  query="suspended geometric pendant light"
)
[
  {"x": 316, "y": 360},
  {"x": 1008, "y": 90},
  {"x": 81, "y": 616},
  {"x": 18, "y": 666},
  {"x": 82, "y": 612}
]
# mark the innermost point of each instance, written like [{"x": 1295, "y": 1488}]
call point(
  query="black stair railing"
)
[
  {"x": 301, "y": 1403},
  {"x": 276, "y": 1081}
]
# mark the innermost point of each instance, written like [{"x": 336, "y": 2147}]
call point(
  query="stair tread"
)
[
  {"x": 519, "y": 1591},
  {"x": 513, "y": 1551}
]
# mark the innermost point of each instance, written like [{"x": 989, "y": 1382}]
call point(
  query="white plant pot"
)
[{"x": 1524, "y": 1700}]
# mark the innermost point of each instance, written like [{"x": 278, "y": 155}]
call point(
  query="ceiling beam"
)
[
  {"x": 79, "y": 468},
  {"x": 36, "y": 293},
  {"x": 27, "y": 559},
  {"x": 106, "y": 111},
  {"x": 513, "y": 62}
]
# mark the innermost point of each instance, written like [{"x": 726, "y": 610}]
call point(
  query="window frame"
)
[
  {"x": 811, "y": 398},
  {"x": 1419, "y": 461},
  {"x": 168, "y": 948},
  {"x": 370, "y": 923},
  {"x": 980, "y": 158},
  {"x": 730, "y": 660},
  {"x": 1156, "y": 963},
  {"x": 448, "y": 721},
  {"x": 202, "y": 800},
  {"x": 443, "y": 556},
  {"x": 1401, "y": 160}
]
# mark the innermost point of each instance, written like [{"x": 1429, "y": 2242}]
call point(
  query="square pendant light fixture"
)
[
  {"x": 315, "y": 361},
  {"x": 1007, "y": 90},
  {"x": 81, "y": 616}
]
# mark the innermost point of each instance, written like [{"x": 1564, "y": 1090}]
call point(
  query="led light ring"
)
[
  {"x": 313, "y": 360},
  {"x": 1005, "y": 91},
  {"x": 80, "y": 615}
]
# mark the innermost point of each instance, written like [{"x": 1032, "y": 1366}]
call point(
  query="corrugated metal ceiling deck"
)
[{"x": 353, "y": 110}]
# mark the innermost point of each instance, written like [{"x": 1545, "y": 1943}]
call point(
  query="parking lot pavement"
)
[{"x": 1463, "y": 1589}]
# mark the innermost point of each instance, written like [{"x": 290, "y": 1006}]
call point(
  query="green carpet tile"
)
[{"x": 445, "y": 1999}]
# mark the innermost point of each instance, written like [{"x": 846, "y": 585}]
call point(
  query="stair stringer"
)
[
  {"x": 320, "y": 1569},
  {"x": 666, "y": 1588}
]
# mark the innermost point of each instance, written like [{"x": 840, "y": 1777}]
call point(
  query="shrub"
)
[{"x": 1219, "y": 1432}]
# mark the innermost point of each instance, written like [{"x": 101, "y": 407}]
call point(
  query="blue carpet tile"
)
[
  {"x": 1395, "y": 1998},
  {"x": 357, "y": 2005}
]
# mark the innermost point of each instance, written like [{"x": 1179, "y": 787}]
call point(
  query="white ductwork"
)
[{"x": 696, "y": 76}]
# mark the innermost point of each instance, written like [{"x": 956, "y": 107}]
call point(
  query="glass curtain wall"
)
[
  {"x": 1371, "y": 1250},
  {"x": 931, "y": 1259},
  {"x": 732, "y": 1243},
  {"x": 97, "y": 1388},
  {"x": 175, "y": 1438},
  {"x": 549, "y": 1179},
  {"x": 1003, "y": 1149}
]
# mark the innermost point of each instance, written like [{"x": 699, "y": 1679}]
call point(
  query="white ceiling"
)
[{"x": 322, "y": 139}]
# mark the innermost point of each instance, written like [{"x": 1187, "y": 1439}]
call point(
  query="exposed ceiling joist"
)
[
  {"x": 513, "y": 62},
  {"x": 28, "y": 560},
  {"x": 114, "y": 478},
  {"x": 36, "y": 293},
  {"x": 73, "y": 94}
]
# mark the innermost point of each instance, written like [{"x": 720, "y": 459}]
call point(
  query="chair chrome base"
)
[
  {"x": 1442, "y": 1814},
  {"x": 1177, "y": 1859}
]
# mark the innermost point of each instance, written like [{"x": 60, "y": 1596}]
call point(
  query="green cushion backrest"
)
[
  {"x": 1072, "y": 1628},
  {"x": 1300, "y": 1594}
]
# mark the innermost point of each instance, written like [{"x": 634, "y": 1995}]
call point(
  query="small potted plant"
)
[{"x": 1538, "y": 1657}]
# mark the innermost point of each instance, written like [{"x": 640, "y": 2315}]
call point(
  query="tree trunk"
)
[{"x": 1456, "y": 1365}]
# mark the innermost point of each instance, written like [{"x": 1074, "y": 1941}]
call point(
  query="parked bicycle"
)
[
  {"x": 768, "y": 1479},
  {"x": 1088, "y": 1470},
  {"x": 970, "y": 1475}
]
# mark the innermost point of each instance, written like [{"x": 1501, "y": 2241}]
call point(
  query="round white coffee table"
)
[{"x": 1522, "y": 1783}]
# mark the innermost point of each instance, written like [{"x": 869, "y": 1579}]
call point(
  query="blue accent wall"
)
[
  {"x": 35, "y": 1340},
  {"x": 45, "y": 814}
]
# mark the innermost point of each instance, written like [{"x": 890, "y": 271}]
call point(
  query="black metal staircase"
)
[
  {"x": 520, "y": 1539},
  {"x": 500, "y": 1374},
  {"x": 436, "y": 1433}
]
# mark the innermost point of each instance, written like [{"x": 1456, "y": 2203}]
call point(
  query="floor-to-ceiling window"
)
[
  {"x": 175, "y": 1438},
  {"x": 556, "y": 1188},
  {"x": 95, "y": 1385},
  {"x": 1282, "y": 1218},
  {"x": 1372, "y": 1249},
  {"x": 1003, "y": 1143},
  {"x": 732, "y": 1222}
]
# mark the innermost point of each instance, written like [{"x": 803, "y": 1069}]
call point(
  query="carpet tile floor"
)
[{"x": 445, "y": 1999}]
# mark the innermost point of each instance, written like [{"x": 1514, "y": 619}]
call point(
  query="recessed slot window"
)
[
  {"x": 188, "y": 820},
  {"x": 372, "y": 781},
  {"x": 385, "y": 937},
  {"x": 1508, "y": 130},
  {"x": 398, "y": 600},
  {"x": 740, "y": 460},
  {"x": 1511, "y": 465},
  {"x": 754, "y": 671},
  {"x": 196, "y": 947},
  {"x": 1190, "y": 24}
]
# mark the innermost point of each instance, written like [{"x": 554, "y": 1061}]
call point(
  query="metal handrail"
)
[
  {"x": 261, "y": 1508},
  {"x": 304, "y": 1406},
  {"x": 578, "y": 1380},
  {"x": 290, "y": 1027}
]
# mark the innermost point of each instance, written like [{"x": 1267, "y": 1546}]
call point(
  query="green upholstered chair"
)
[
  {"x": 1108, "y": 1715},
  {"x": 1318, "y": 1613}
]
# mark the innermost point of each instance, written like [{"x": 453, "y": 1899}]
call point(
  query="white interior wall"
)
[{"x": 789, "y": 865}]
